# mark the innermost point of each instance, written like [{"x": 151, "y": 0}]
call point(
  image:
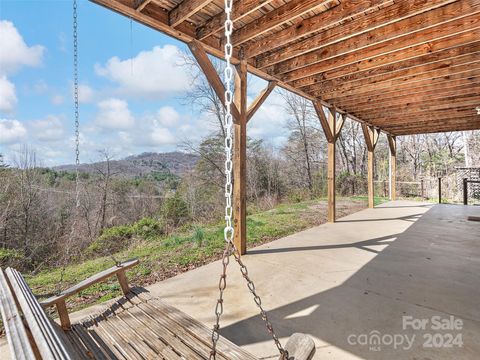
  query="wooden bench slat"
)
[
  {"x": 91, "y": 281},
  {"x": 17, "y": 337},
  {"x": 45, "y": 336}
]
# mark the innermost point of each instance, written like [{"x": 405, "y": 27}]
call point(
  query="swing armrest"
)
[
  {"x": 118, "y": 270},
  {"x": 59, "y": 300}
]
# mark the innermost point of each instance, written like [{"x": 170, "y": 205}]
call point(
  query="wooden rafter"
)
[
  {"x": 364, "y": 32},
  {"x": 311, "y": 25},
  {"x": 285, "y": 13},
  {"x": 393, "y": 69},
  {"x": 240, "y": 10},
  {"x": 407, "y": 97},
  {"x": 185, "y": 9},
  {"x": 370, "y": 58},
  {"x": 429, "y": 71}
]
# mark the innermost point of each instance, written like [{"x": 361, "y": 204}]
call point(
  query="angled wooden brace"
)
[
  {"x": 260, "y": 99},
  {"x": 371, "y": 135},
  {"x": 332, "y": 128},
  {"x": 212, "y": 76}
]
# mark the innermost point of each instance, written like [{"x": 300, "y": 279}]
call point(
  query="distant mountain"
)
[{"x": 176, "y": 163}]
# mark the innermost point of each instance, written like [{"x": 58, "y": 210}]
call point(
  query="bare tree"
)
[{"x": 301, "y": 123}]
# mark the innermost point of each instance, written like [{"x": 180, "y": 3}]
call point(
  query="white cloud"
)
[
  {"x": 161, "y": 136},
  {"x": 85, "y": 93},
  {"x": 114, "y": 114},
  {"x": 8, "y": 98},
  {"x": 49, "y": 129},
  {"x": 153, "y": 74},
  {"x": 168, "y": 116},
  {"x": 57, "y": 99},
  {"x": 15, "y": 52},
  {"x": 11, "y": 131},
  {"x": 269, "y": 122}
]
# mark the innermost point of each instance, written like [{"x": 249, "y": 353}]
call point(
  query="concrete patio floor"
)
[
  {"x": 361, "y": 274},
  {"x": 343, "y": 283}
]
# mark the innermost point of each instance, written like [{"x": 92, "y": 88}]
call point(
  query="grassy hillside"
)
[{"x": 192, "y": 246}]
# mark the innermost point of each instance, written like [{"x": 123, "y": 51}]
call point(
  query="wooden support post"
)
[
  {"x": 241, "y": 115},
  {"x": 240, "y": 159},
  {"x": 392, "y": 144},
  {"x": 122, "y": 279},
  {"x": 439, "y": 190},
  {"x": 371, "y": 138},
  {"x": 63, "y": 315},
  {"x": 332, "y": 128}
]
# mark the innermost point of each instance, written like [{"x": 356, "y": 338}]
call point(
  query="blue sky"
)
[{"x": 132, "y": 87}]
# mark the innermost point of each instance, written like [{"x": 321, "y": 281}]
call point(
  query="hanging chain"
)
[
  {"x": 77, "y": 148},
  {"x": 76, "y": 101},
  {"x": 228, "y": 124},
  {"x": 230, "y": 248}
]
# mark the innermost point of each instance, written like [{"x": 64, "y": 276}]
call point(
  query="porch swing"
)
[{"x": 137, "y": 326}]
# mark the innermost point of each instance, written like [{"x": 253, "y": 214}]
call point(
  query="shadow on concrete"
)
[
  {"x": 414, "y": 275},
  {"x": 411, "y": 218},
  {"x": 384, "y": 240}
]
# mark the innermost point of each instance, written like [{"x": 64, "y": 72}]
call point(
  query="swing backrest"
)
[{"x": 41, "y": 338}]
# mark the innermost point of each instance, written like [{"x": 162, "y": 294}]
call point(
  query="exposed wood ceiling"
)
[{"x": 404, "y": 66}]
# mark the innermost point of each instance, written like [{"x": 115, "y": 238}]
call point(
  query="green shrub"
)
[
  {"x": 148, "y": 228},
  {"x": 11, "y": 257},
  {"x": 117, "y": 238},
  {"x": 112, "y": 240},
  {"x": 175, "y": 210},
  {"x": 198, "y": 236}
]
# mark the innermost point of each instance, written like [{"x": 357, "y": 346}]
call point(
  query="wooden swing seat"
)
[{"x": 137, "y": 327}]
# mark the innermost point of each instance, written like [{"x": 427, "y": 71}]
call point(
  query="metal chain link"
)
[
  {"x": 77, "y": 148},
  {"x": 76, "y": 101},
  {"x": 230, "y": 248}
]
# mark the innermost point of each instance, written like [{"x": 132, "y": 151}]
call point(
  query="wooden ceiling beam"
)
[
  {"x": 427, "y": 71},
  {"x": 373, "y": 118},
  {"x": 370, "y": 58},
  {"x": 139, "y": 5},
  {"x": 281, "y": 15},
  {"x": 390, "y": 121},
  {"x": 445, "y": 82},
  {"x": 433, "y": 123},
  {"x": 184, "y": 10},
  {"x": 444, "y": 125},
  {"x": 370, "y": 45},
  {"x": 241, "y": 8},
  {"x": 396, "y": 67},
  {"x": 399, "y": 83},
  {"x": 396, "y": 21},
  {"x": 326, "y": 19},
  {"x": 446, "y": 103},
  {"x": 405, "y": 96},
  {"x": 413, "y": 101}
]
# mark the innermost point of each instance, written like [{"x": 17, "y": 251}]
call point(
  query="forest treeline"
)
[{"x": 42, "y": 225}]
